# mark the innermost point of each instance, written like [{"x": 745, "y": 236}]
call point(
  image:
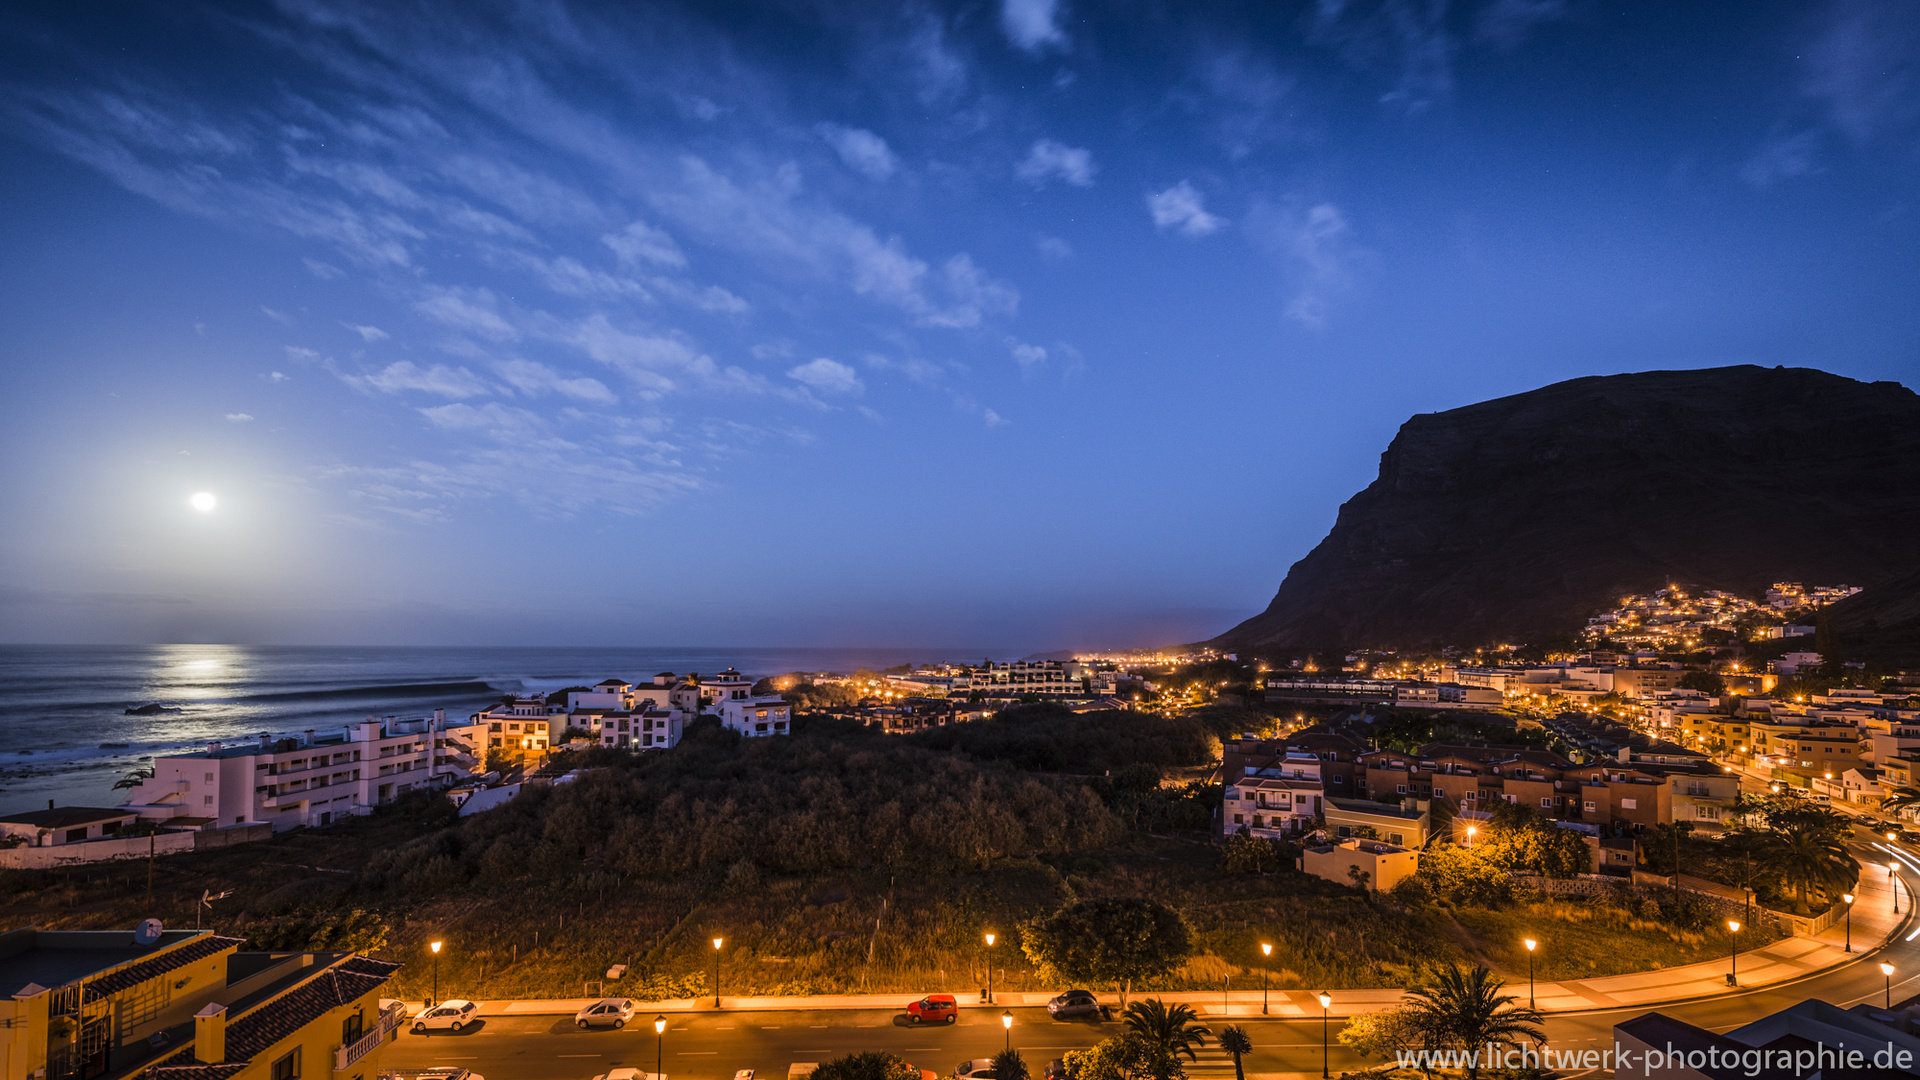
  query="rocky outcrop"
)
[{"x": 1514, "y": 519}]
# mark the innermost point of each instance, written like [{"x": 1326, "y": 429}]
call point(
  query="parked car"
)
[
  {"x": 607, "y": 1012},
  {"x": 1911, "y": 836},
  {"x": 630, "y": 1074},
  {"x": 451, "y": 1015},
  {"x": 977, "y": 1069},
  {"x": 442, "y": 1072},
  {"x": 1056, "y": 1070},
  {"x": 743, "y": 1074},
  {"x": 1871, "y": 824},
  {"x": 934, "y": 1009},
  {"x": 1074, "y": 1003}
]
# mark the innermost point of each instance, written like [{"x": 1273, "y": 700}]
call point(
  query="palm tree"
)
[
  {"x": 1901, "y": 798},
  {"x": 1007, "y": 1065},
  {"x": 1163, "y": 1034},
  {"x": 1809, "y": 854},
  {"x": 1465, "y": 1008},
  {"x": 133, "y": 779},
  {"x": 1234, "y": 1041}
]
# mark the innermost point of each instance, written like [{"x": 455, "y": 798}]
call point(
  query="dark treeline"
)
[
  {"x": 832, "y": 796},
  {"x": 1046, "y": 737}
]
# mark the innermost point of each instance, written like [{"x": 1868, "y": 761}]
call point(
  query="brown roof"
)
[
  {"x": 66, "y": 817},
  {"x": 339, "y": 985},
  {"x": 129, "y": 977}
]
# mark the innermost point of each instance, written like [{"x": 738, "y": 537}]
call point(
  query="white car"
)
[
  {"x": 630, "y": 1074},
  {"x": 451, "y": 1015},
  {"x": 610, "y": 1012},
  {"x": 446, "y": 1072},
  {"x": 977, "y": 1069}
]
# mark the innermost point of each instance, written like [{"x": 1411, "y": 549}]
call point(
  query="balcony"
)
[{"x": 346, "y": 1057}]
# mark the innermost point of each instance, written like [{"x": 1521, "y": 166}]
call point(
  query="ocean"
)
[{"x": 68, "y": 738}]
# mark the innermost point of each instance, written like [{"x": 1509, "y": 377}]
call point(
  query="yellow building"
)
[{"x": 187, "y": 1005}]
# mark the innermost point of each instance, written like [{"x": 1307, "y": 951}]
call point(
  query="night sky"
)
[{"x": 1029, "y": 324}]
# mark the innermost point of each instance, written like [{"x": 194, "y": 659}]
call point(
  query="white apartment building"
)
[
  {"x": 755, "y": 717},
  {"x": 1271, "y": 807},
  {"x": 313, "y": 779},
  {"x": 652, "y": 729}
]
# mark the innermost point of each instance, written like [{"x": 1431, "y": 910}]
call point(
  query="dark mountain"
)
[
  {"x": 1514, "y": 519},
  {"x": 1880, "y": 625}
]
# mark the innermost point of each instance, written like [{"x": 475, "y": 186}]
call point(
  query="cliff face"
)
[
  {"x": 1514, "y": 519},
  {"x": 1880, "y": 625}
]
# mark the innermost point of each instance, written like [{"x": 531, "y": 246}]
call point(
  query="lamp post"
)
[
  {"x": 1893, "y": 871},
  {"x": 1886, "y": 972},
  {"x": 717, "y": 942},
  {"x": 1006, "y": 1021},
  {"x": 990, "y": 968},
  {"x": 1733, "y": 955},
  {"x": 659, "y": 1045},
  {"x": 1848, "y": 897},
  {"x": 1470, "y": 831},
  {"x": 1266, "y": 953},
  {"x": 436, "y": 972},
  {"x": 1326, "y": 1002},
  {"x": 1531, "y": 945}
]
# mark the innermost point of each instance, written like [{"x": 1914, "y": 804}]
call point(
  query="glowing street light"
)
[
  {"x": 717, "y": 942},
  {"x": 1886, "y": 972},
  {"x": 1470, "y": 831},
  {"x": 1848, "y": 897},
  {"x": 1326, "y": 1002},
  {"x": 1531, "y": 945},
  {"x": 435, "y": 948},
  {"x": 1266, "y": 952},
  {"x": 990, "y": 937},
  {"x": 1733, "y": 956},
  {"x": 659, "y": 1044},
  {"x": 1006, "y": 1021}
]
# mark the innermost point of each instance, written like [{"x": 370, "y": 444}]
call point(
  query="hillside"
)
[
  {"x": 1880, "y": 625},
  {"x": 1514, "y": 519}
]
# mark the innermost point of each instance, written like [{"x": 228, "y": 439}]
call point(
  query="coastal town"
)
[{"x": 1673, "y": 724}]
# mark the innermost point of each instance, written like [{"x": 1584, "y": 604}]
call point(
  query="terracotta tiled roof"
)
[
  {"x": 339, "y": 985},
  {"x": 192, "y": 952},
  {"x": 183, "y": 1066}
]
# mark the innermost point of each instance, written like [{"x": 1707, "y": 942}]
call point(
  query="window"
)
[
  {"x": 1591, "y": 807},
  {"x": 1400, "y": 788},
  {"x": 1629, "y": 804},
  {"x": 1239, "y": 819},
  {"x": 209, "y": 778},
  {"x": 353, "y": 1027},
  {"x": 288, "y": 1067},
  {"x": 74, "y": 836},
  {"x": 206, "y": 800}
]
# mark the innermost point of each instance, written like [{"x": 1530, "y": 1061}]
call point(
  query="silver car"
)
[{"x": 607, "y": 1012}]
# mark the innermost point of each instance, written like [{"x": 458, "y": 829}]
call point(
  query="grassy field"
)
[{"x": 837, "y": 933}]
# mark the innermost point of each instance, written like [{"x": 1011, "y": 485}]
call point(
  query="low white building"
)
[
  {"x": 755, "y": 717},
  {"x": 313, "y": 779},
  {"x": 1269, "y": 807},
  {"x": 652, "y": 729}
]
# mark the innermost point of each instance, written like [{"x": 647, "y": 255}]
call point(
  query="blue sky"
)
[{"x": 1027, "y": 324}]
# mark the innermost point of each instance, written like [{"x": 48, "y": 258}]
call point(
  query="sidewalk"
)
[{"x": 1783, "y": 961}]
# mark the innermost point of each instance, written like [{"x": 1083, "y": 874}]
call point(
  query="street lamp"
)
[
  {"x": 990, "y": 937},
  {"x": 717, "y": 942},
  {"x": 1886, "y": 971},
  {"x": 1470, "y": 831},
  {"x": 1266, "y": 951},
  {"x": 1326, "y": 1002},
  {"x": 1531, "y": 945},
  {"x": 1733, "y": 956},
  {"x": 1006, "y": 1021},
  {"x": 659, "y": 1045},
  {"x": 436, "y": 971},
  {"x": 1848, "y": 897}
]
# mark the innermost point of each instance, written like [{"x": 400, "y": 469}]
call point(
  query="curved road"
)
[{"x": 711, "y": 1046}]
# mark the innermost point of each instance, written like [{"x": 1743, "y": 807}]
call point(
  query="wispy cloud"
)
[
  {"x": 640, "y": 244},
  {"x": 861, "y": 150},
  {"x": 1320, "y": 258},
  {"x": 239, "y": 418},
  {"x": 1033, "y": 25},
  {"x": 1508, "y": 23},
  {"x": 404, "y": 375},
  {"x": 828, "y": 377},
  {"x": 368, "y": 334},
  {"x": 1406, "y": 40},
  {"x": 1182, "y": 209},
  {"x": 1051, "y": 160}
]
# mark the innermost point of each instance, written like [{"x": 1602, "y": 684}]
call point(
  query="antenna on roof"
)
[{"x": 147, "y": 932}]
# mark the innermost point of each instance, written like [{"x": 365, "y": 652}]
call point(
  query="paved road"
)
[{"x": 713, "y": 1046}]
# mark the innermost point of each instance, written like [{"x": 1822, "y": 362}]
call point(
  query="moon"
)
[{"x": 203, "y": 501}]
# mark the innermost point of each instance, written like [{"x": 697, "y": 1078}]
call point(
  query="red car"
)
[{"x": 934, "y": 1009}]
